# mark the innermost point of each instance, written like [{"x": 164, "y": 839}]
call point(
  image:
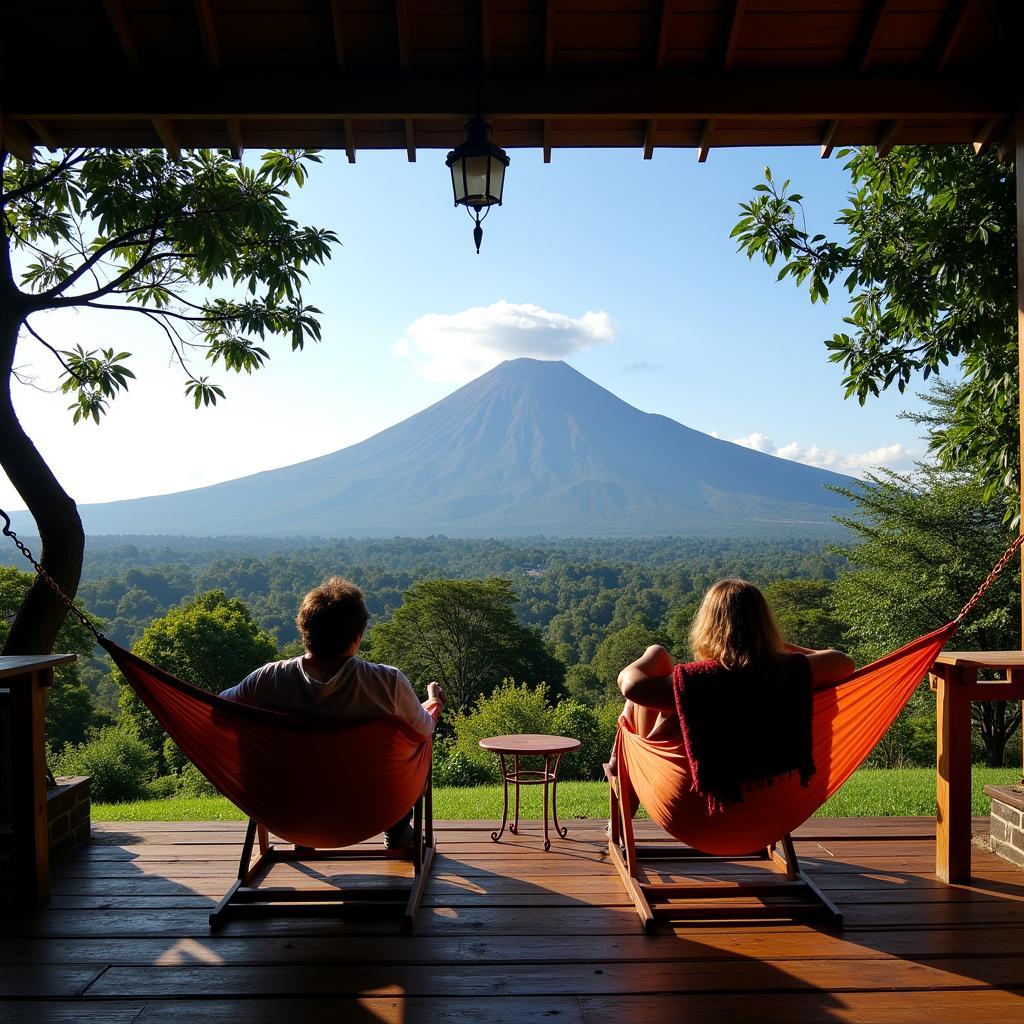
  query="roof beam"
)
[
  {"x": 45, "y": 136},
  {"x": 887, "y": 137},
  {"x": 704, "y": 142},
  {"x": 339, "y": 35},
  {"x": 547, "y": 142},
  {"x": 732, "y": 37},
  {"x": 983, "y": 136},
  {"x": 549, "y": 35},
  {"x": 350, "y": 141},
  {"x": 168, "y": 137},
  {"x": 436, "y": 97},
  {"x": 828, "y": 139},
  {"x": 235, "y": 142},
  {"x": 949, "y": 33},
  {"x": 118, "y": 18},
  {"x": 208, "y": 33},
  {"x": 14, "y": 140},
  {"x": 410, "y": 140},
  {"x": 404, "y": 35},
  {"x": 486, "y": 41},
  {"x": 867, "y": 38},
  {"x": 649, "y": 132},
  {"x": 661, "y": 46}
]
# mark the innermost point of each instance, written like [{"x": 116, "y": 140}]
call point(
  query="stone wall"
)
[
  {"x": 67, "y": 808},
  {"x": 1007, "y": 822}
]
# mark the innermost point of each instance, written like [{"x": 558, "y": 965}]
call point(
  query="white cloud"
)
[
  {"x": 458, "y": 346},
  {"x": 892, "y": 456}
]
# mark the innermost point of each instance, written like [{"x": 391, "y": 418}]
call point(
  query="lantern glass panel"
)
[
  {"x": 458, "y": 182},
  {"x": 497, "y": 179},
  {"x": 476, "y": 178}
]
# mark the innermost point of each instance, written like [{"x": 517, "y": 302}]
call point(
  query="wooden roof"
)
[{"x": 405, "y": 74}]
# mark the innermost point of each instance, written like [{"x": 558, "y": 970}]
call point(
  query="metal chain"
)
[
  {"x": 990, "y": 579},
  {"x": 47, "y": 578}
]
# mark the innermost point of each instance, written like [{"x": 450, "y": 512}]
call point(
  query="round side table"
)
[{"x": 551, "y": 748}]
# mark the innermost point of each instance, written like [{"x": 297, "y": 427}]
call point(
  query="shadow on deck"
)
[{"x": 508, "y": 932}]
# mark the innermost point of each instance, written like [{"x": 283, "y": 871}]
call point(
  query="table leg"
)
[
  {"x": 514, "y": 828},
  {"x": 495, "y": 836},
  {"x": 547, "y": 779},
  {"x": 953, "y": 778},
  {"x": 559, "y": 831}
]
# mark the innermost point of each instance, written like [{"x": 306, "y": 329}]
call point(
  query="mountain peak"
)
[{"x": 530, "y": 447}]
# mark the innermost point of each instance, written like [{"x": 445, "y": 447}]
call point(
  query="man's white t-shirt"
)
[{"x": 359, "y": 688}]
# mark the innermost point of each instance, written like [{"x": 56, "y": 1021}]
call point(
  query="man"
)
[{"x": 330, "y": 680}]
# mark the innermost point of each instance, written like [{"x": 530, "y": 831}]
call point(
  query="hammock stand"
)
[
  {"x": 793, "y": 896},
  {"x": 248, "y": 897}
]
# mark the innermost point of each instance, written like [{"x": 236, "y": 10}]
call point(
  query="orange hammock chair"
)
[{"x": 849, "y": 718}]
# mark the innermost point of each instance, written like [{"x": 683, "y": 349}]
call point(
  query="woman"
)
[{"x": 733, "y": 627}]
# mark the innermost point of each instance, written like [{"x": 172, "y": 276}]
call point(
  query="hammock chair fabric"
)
[
  {"x": 849, "y": 718},
  {"x": 314, "y": 781}
]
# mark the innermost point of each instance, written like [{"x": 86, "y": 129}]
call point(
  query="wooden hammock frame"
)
[
  {"x": 249, "y": 898},
  {"x": 793, "y": 896}
]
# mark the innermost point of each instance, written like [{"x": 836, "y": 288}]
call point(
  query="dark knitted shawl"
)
[{"x": 744, "y": 726}]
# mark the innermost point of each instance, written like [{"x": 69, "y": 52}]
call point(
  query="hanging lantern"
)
[{"x": 478, "y": 173}]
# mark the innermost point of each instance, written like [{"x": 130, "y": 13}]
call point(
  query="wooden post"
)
[
  {"x": 1019, "y": 168},
  {"x": 953, "y": 773},
  {"x": 26, "y": 680}
]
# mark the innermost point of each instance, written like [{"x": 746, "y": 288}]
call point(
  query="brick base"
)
[
  {"x": 1007, "y": 823},
  {"x": 67, "y": 808}
]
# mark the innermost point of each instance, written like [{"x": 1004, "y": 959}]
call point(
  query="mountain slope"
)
[{"x": 530, "y": 447}]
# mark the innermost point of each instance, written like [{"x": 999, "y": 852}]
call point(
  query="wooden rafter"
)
[
  {"x": 438, "y": 97},
  {"x": 661, "y": 46},
  {"x": 45, "y": 136},
  {"x": 410, "y": 140},
  {"x": 486, "y": 40},
  {"x": 350, "y": 142},
  {"x": 235, "y": 141},
  {"x": 984, "y": 135},
  {"x": 732, "y": 36},
  {"x": 649, "y": 132},
  {"x": 339, "y": 34},
  {"x": 547, "y": 142},
  {"x": 867, "y": 39},
  {"x": 404, "y": 29},
  {"x": 168, "y": 136},
  {"x": 828, "y": 139},
  {"x": 549, "y": 35},
  {"x": 118, "y": 18},
  {"x": 948, "y": 35},
  {"x": 14, "y": 140},
  {"x": 208, "y": 33},
  {"x": 887, "y": 137},
  {"x": 704, "y": 142}
]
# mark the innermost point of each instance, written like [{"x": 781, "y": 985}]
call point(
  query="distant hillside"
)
[{"x": 529, "y": 448}]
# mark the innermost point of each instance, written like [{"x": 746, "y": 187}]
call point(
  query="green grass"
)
[{"x": 869, "y": 792}]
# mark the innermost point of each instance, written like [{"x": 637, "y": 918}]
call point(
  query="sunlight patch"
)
[
  {"x": 188, "y": 951},
  {"x": 460, "y": 346}
]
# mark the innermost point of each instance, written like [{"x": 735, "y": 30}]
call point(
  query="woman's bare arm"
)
[
  {"x": 827, "y": 666},
  {"x": 648, "y": 680}
]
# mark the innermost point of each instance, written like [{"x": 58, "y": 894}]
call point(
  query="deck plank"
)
[{"x": 509, "y": 933}]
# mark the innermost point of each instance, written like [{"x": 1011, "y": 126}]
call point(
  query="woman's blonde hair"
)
[{"x": 735, "y": 626}]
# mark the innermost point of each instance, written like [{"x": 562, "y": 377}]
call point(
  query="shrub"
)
[
  {"x": 192, "y": 783},
  {"x": 118, "y": 762},
  {"x": 511, "y": 708},
  {"x": 573, "y": 718},
  {"x": 457, "y": 770},
  {"x": 164, "y": 787}
]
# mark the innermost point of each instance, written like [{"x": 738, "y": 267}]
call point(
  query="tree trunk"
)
[{"x": 60, "y": 529}]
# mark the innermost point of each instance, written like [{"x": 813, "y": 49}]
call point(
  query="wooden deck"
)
[{"x": 509, "y": 933}]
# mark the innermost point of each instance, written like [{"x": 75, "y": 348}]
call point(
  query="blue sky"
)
[{"x": 679, "y": 322}]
